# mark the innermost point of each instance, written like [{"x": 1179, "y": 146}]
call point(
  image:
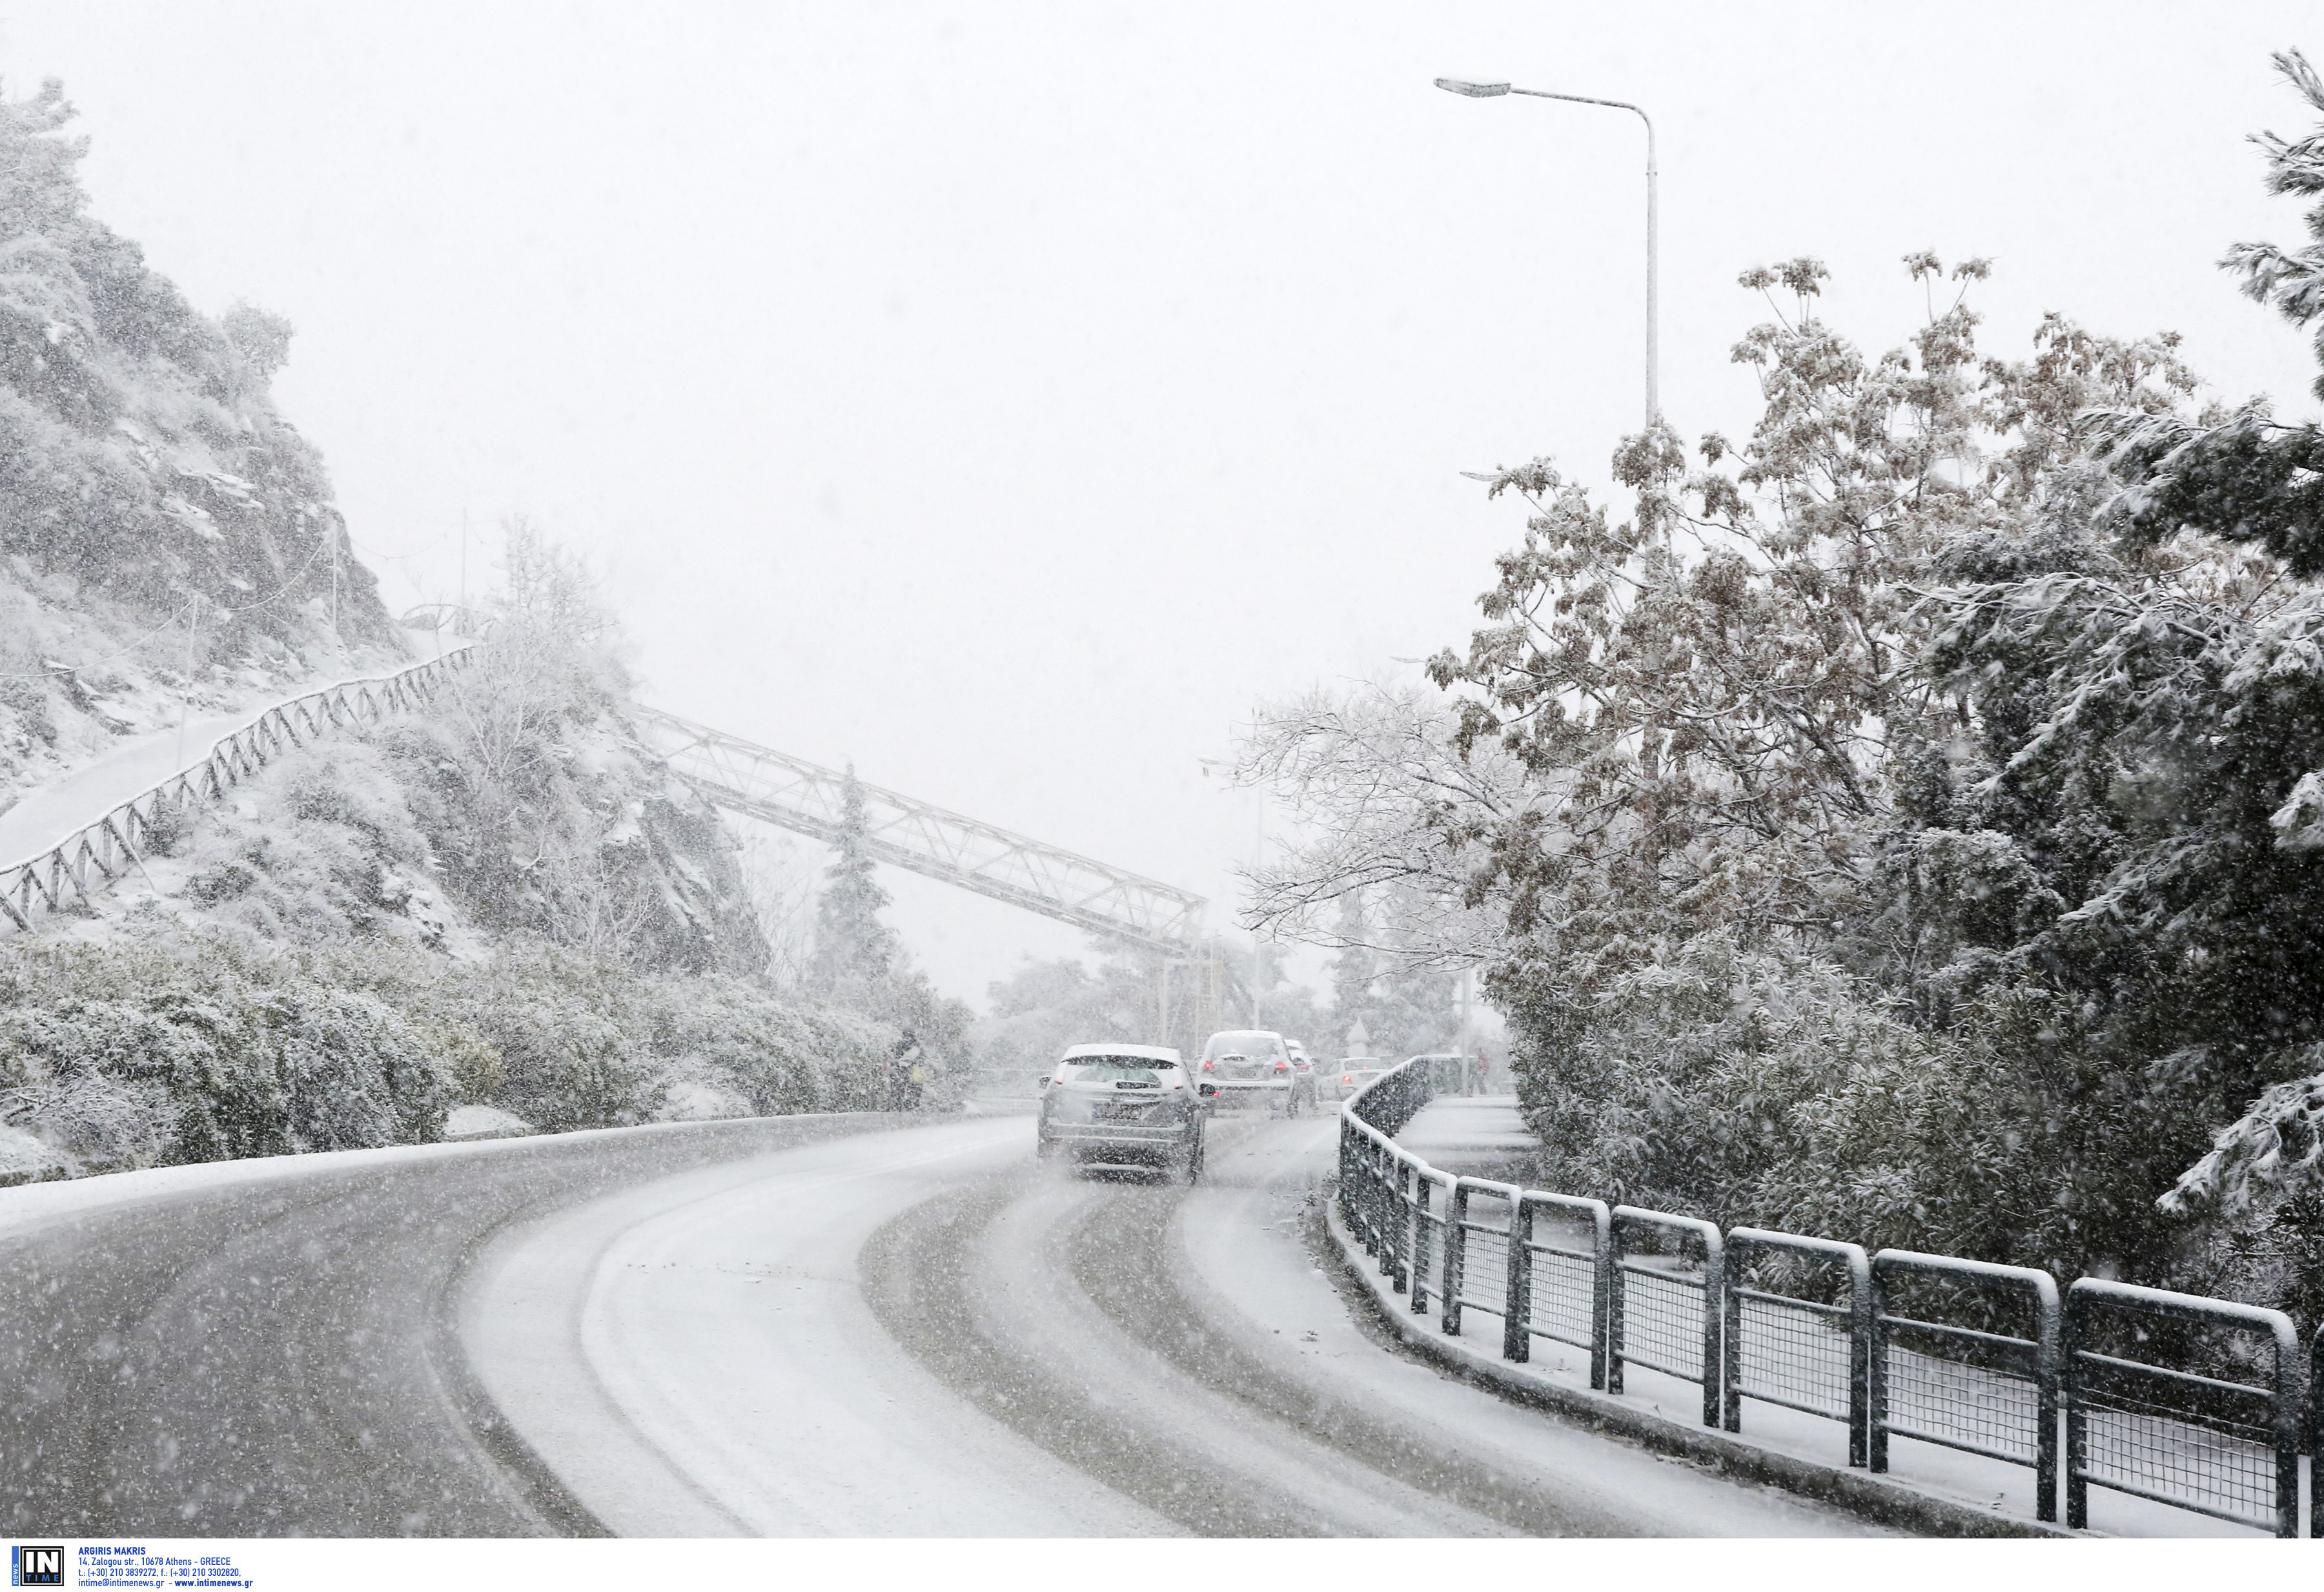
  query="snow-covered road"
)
[
  {"x": 922, "y": 1333},
  {"x": 790, "y": 1326}
]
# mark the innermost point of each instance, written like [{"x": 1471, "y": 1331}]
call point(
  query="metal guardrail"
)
[
  {"x": 1666, "y": 1317},
  {"x": 1960, "y": 1354},
  {"x": 2228, "y": 1449},
  {"x": 1799, "y": 1353},
  {"x": 98, "y": 855},
  {"x": 1994, "y": 1393}
]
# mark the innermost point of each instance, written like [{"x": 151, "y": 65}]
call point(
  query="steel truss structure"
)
[{"x": 807, "y": 798}]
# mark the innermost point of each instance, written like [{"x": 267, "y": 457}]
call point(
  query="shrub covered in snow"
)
[{"x": 154, "y": 1052}]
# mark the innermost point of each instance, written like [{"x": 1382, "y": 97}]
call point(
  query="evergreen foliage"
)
[
  {"x": 855, "y": 951},
  {"x": 1908, "y": 825}
]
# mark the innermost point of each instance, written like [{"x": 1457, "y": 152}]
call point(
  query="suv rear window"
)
[
  {"x": 1257, "y": 1046},
  {"x": 1118, "y": 1070}
]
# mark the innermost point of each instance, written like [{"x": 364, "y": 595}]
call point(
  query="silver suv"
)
[
  {"x": 1255, "y": 1064},
  {"x": 1124, "y": 1106}
]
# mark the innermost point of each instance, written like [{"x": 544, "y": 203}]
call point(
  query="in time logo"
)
[{"x": 36, "y": 1567}]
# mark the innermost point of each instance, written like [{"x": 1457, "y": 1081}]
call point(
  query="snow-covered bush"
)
[{"x": 160, "y": 1051}]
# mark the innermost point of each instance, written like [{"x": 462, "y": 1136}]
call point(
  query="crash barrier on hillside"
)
[
  {"x": 2174, "y": 1398},
  {"x": 98, "y": 855}
]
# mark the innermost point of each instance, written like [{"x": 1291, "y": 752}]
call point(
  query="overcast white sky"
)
[{"x": 1007, "y": 397}]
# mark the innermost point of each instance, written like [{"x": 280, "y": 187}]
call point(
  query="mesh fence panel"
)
[
  {"x": 1796, "y": 1354},
  {"x": 1662, "y": 1321},
  {"x": 1485, "y": 1271},
  {"x": 1427, "y": 1241},
  {"x": 2217, "y": 1462},
  {"x": 1562, "y": 1297},
  {"x": 1948, "y": 1398}
]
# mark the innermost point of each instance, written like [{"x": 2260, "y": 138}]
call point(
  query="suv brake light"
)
[
  {"x": 1209, "y": 1065},
  {"x": 1283, "y": 1066}
]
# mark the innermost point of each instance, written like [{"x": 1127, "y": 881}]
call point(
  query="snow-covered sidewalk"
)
[
  {"x": 43, "y": 817},
  {"x": 1456, "y": 1131}
]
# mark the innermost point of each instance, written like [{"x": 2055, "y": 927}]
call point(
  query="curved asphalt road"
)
[{"x": 791, "y": 1327}]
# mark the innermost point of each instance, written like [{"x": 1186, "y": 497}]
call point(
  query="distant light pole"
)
[
  {"x": 1654, "y": 273},
  {"x": 1258, "y": 862}
]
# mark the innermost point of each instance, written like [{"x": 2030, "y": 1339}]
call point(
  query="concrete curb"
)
[{"x": 1876, "y": 1499}]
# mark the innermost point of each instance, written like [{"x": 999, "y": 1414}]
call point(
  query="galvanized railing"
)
[
  {"x": 98, "y": 855},
  {"x": 1958, "y": 1354},
  {"x": 1980, "y": 1391}
]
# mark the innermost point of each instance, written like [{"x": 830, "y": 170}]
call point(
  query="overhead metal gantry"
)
[{"x": 809, "y": 799}]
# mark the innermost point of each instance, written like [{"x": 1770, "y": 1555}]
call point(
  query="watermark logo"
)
[{"x": 36, "y": 1567}]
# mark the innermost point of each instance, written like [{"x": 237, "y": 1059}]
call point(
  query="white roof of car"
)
[{"x": 1157, "y": 1052}]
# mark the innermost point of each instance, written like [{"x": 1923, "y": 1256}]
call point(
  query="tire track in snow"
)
[{"x": 986, "y": 1285}]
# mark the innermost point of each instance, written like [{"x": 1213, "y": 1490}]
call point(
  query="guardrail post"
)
[
  {"x": 1603, "y": 1294},
  {"x": 1731, "y": 1356},
  {"x": 1376, "y": 1207},
  {"x": 1456, "y": 1256},
  {"x": 2316, "y": 1435},
  {"x": 2048, "y": 1364},
  {"x": 1517, "y": 1301},
  {"x": 1368, "y": 1198},
  {"x": 1714, "y": 1320},
  {"x": 2288, "y": 1423},
  {"x": 1399, "y": 1225},
  {"x": 1876, "y": 1381},
  {"x": 1419, "y": 1249},
  {"x": 1859, "y": 1357},
  {"x": 1617, "y": 1302},
  {"x": 2077, "y": 1420}
]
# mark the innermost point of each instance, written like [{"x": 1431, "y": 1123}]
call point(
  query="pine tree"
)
[
  {"x": 853, "y": 949},
  {"x": 2247, "y": 479}
]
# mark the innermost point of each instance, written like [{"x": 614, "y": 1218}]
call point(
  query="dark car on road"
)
[
  {"x": 1129, "y": 1107},
  {"x": 1256, "y": 1066}
]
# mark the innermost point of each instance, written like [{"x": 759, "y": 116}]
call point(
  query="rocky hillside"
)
[
  {"x": 167, "y": 539},
  {"x": 500, "y": 901}
]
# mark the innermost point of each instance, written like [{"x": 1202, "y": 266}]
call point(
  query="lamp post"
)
[
  {"x": 1654, "y": 351},
  {"x": 1258, "y": 860}
]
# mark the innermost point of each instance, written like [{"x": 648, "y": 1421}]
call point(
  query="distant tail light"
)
[
  {"x": 1283, "y": 1066},
  {"x": 1210, "y": 1066}
]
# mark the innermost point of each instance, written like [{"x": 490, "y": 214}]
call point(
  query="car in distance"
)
[
  {"x": 1253, "y": 1065},
  {"x": 1130, "y": 1107},
  {"x": 1350, "y": 1073},
  {"x": 1306, "y": 1078}
]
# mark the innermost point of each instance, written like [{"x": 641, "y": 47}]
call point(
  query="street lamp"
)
[
  {"x": 1494, "y": 91},
  {"x": 1258, "y": 860}
]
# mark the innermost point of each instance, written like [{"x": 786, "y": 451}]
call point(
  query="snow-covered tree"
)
[{"x": 855, "y": 951}]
